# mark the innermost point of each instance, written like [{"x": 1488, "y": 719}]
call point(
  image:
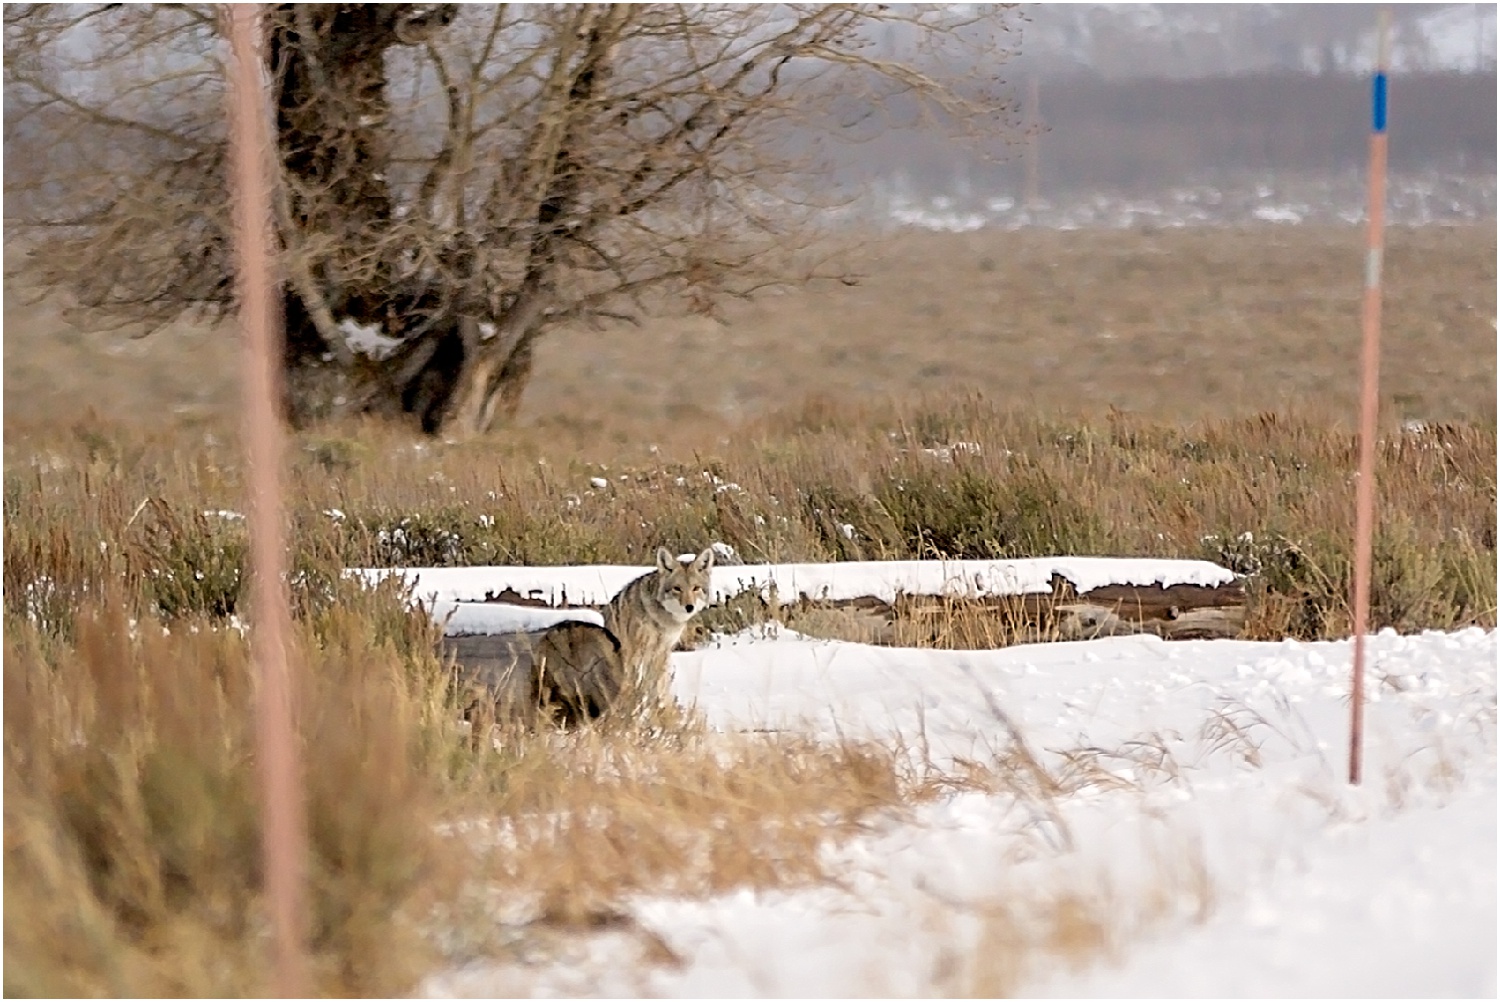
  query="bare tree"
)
[{"x": 457, "y": 180}]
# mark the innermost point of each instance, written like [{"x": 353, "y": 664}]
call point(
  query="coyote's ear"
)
[
  {"x": 664, "y": 559},
  {"x": 705, "y": 560}
]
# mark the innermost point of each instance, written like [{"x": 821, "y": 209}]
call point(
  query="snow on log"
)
[
  {"x": 834, "y": 582},
  {"x": 460, "y": 619},
  {"x": 1064, "y": 596}
]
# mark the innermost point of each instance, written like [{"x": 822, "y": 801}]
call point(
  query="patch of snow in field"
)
[
  {"x": 1221, "y": 845},
  {"x": 1277, "y": 214},
  {"x": 367, "y": 339},
  {"x": 1412, "y": 199},
  {"x": 1400, "y": 907},
  {"x": 887, "y": 579},
  {"x": 884, "y": 579},
  {"x": 943, "y": 222},
  {"x": 1100, "y": 692}
]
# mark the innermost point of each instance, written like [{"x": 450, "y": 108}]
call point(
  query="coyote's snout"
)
[{"x": 578, "y": 671}]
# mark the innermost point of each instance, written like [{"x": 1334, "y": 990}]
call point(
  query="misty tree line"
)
[
  {"x": 1147, "y": 135},
  {"x": 457, "y": 180}
]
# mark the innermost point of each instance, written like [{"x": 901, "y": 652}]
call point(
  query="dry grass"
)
[
  {"x": 1269, "y": 497},
  {"x": 130, "y": 813},
  {"x": 132, "y": 863},
  {"x": 1173, "y": 324},
  {"x": 1085, "y": 921},
  {"x": 588, "y": 819}
]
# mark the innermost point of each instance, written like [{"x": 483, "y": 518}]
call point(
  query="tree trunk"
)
[
  {"x": 442, "y": 382},
  {"x": 469, "y": 409},
  {"x": 332, "y": 115},
  {"x": 506, "y": 398},
  {"x": 482, "y": 392}
]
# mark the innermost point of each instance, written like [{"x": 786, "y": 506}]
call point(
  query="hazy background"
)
[
  {"x": 1223, "y": 149},
  {"x": 1209, "y": 112}
]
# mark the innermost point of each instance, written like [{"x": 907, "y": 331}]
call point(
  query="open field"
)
[
  {"x": 1172, "y": 324},
  {"x": 1210, "y": 423}
]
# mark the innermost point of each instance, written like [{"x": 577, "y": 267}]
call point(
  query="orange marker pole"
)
[
  {"x": 1369, "y": 398},
  {"x": 283, "y": 844}
]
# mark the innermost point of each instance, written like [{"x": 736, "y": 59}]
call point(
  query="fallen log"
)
[{"x": 1173, "y": 611}]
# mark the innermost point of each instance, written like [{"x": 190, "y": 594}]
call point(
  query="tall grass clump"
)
[{"x": 132, "y": 864}]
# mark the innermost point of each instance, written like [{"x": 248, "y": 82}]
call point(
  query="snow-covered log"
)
[{"x": 1044, "y": 597}]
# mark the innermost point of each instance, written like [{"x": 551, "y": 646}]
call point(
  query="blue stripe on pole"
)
[{"x": 1378, "y": 100}]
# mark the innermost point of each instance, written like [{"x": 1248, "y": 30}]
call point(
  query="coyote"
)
[{"x": 574, "y": 672}]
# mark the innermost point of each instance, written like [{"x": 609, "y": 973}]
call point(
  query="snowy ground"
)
[
  {"x": 1412, "y": 200},
  {"x": 1204, "y": 841}
]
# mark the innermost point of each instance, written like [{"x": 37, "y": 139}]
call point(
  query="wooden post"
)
[
  {"x": 1369, "y": 399},
  {"x": 283, "y": 825}
]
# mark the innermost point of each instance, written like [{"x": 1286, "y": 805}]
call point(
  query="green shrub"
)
[{"x": 964, "y": 512}]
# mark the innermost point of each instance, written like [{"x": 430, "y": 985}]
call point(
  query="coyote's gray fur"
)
[
  {"x": 650, "y": 613},
  {"x": 578, "y": 671}
]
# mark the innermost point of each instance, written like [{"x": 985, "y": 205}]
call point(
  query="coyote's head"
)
[{"x": 682, "y": 588}]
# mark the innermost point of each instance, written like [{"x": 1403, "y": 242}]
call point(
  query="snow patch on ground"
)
[
  {"x": 367, "y": 339},
  {"x": 1217, "y": 838},
  {"x": 1278, "y": 214},
  {"x": 1416, "y": 199},
  {"x": 1401, "y": 907}
]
